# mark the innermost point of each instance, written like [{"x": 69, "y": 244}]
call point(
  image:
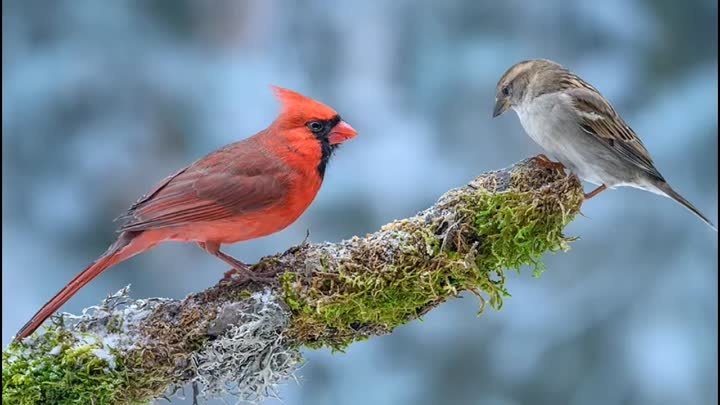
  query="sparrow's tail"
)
[
  {"x": 669, "y": 192},
  {"x": 127, "y": 245}
]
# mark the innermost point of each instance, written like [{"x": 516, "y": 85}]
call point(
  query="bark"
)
[{"x": 243, "y": 338}]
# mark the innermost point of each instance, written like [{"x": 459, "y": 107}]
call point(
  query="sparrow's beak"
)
[
  {"x": 501, "y": 105},
  {"x": 341, "y": 132}
]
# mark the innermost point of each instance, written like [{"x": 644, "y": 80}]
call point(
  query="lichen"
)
[
  {"x": 252, "y": 357},
  {"x": 464, "y": 244},
  {"x": 243, "y": 339}
]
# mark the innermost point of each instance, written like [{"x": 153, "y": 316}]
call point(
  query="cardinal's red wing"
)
[{"x": 223, "y": 185}]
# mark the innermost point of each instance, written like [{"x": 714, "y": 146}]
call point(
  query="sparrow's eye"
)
[
  {"x": 506, "y": 91},
  {"x": 315, "y": 126}
]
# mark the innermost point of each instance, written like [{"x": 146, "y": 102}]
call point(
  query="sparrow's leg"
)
[
  {"x": 595, "y": 192},
  {"x": 545, "y": 162},
  {"x": 238, "y": 267}
]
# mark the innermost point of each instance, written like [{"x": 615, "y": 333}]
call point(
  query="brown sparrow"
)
[{"x": 579, "y": 128}]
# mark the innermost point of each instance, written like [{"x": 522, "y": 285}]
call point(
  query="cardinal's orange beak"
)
[{"x": 341, "y": 132}]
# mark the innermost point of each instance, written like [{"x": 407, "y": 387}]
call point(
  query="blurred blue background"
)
[{"x": 103, "y": 99}]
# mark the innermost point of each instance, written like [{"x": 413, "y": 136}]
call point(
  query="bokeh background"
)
[{"x": 102, "y": 99}]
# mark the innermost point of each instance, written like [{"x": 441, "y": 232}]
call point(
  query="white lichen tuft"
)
[
  {"x": 253, "y": 356},
  {"x": 110, "y": 327}
]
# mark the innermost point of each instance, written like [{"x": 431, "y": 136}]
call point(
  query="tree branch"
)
[{"x": 243, "y": 338}]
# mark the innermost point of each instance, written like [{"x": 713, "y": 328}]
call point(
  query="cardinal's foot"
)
[{"x": 245, "y": 275}]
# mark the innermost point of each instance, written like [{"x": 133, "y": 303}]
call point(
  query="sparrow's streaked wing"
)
[{"x": 599, "y": 119}]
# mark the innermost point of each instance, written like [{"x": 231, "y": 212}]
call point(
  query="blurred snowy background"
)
[{"x": 103, "y": 99}]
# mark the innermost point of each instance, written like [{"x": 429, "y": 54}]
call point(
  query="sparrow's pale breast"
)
[{"x": 550, "y": 121}]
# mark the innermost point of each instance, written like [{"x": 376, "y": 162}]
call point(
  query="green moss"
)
[
  {"x": 58, "y": 369},
  {"x": 515, "y": 231},
  {"x": 356, "y": 289},
  {"x": 493, "y": 231},
  {"x": 72, "y": 374},
  {"x": 244, "y": 294}
]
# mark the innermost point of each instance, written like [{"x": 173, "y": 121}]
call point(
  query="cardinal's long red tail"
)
[{"x": 127, "y": 245}]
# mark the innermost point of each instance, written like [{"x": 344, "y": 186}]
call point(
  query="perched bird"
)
[
  {"x": 578, "y": 127},
  {"x": 245, "y": 190}
]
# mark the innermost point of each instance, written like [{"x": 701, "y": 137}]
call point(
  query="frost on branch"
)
[{"x": 244, "y": 339}]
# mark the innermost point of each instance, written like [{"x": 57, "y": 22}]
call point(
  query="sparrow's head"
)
[{"x": 523, "y": 81}]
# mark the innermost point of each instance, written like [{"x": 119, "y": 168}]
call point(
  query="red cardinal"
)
[{"x": 245, "y": 190}]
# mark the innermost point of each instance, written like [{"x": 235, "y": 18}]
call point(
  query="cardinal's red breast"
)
[{"x": 247, "y": 189}]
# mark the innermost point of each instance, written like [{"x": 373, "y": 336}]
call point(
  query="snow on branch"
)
[{"x": 244, "y": 338}]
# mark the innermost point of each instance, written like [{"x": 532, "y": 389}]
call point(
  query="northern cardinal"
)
[{"x": 245, "y": 190}]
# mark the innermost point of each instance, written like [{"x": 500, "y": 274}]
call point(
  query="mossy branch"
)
[{"x": 245, "y": 339}]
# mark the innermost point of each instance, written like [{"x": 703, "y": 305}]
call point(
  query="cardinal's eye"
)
[
  {"x": 315, "y": 126},
  {"x": 506, "y": 91}
]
